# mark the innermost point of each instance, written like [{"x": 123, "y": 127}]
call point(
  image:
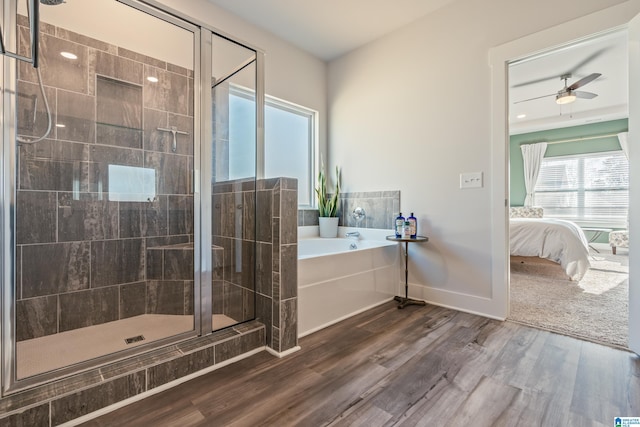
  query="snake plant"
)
[{"x": 327, "y": 205}]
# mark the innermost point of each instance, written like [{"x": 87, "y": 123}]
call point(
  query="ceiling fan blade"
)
[
  {"x": 583, "y": 81},
  {"x": 584, "y": 95},
  {"x": 573, "y": 70},
  {"x": 531, "y": 99},
  {"x": 530, "y": 82},
  {"x": 588, "y": 59}
]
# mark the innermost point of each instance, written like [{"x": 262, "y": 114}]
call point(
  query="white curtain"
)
[
  {"x": 624, "y": 143},
  {"x": 532, "y": 155}
]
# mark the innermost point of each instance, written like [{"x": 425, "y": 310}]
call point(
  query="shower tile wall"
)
[
  {"x": 277, "y": 261},
  {"x": 82, "y": 253},
  {"x": 381, "y": 208},
  {"x": 274, "y": 254}
]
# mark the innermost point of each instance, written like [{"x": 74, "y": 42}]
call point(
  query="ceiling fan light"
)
[{"x": 565, "y": 99}]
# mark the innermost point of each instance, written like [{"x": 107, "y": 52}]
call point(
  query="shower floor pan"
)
[{"x": 39, "y": 355}]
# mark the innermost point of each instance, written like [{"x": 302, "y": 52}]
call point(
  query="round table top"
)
[{"x": 407, "y": 239}]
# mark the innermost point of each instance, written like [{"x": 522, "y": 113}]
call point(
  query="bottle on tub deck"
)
[
  {"x": 413, "y": 223},
  {"x": 406, "y": 231},
  {"x": 399, "y": 224}
]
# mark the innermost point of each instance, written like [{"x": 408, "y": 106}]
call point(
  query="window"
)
[
  {"x": 289, "y": 145},
  {"x": 289, "y": 140},
  {"x": 242, "y": 133},
  {"x": 588, "y": 188}
]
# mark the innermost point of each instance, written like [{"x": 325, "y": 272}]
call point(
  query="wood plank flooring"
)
[{"x": 420, "y": 366}]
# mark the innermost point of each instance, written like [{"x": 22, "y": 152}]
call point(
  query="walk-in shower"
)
[{"x": 128, "y": 223}]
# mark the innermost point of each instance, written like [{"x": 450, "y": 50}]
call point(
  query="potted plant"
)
[{"x": 328, "y": 205}]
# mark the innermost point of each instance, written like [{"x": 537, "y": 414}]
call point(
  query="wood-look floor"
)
[{"x": 421, "y": 366}]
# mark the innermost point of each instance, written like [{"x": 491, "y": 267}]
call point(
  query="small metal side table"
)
[{"x": 405, "y": 301}]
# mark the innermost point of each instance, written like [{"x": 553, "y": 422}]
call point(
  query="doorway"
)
[
  {"x": 581, "y": 190},
  {"x": 598, "y": 23}
]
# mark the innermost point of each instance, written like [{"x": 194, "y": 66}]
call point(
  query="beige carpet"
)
[{"x": 595, "y": 309}]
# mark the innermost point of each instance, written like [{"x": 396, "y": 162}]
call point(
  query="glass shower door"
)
[
  {"x": 233, "y": 181},
  {"x": 103, "y": 185}
]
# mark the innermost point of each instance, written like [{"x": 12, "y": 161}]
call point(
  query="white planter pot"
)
[{"x": 328, "y": 226}]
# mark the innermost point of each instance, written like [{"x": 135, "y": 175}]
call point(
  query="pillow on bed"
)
[{"x": 525, "y": 212}]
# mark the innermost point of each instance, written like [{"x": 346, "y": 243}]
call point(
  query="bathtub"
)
[{"x": 337, "y": 280}]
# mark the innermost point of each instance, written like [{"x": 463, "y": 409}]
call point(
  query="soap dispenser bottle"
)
[
  {"x": 399, "y": 224},
  {"x": 413, "y": 224}
]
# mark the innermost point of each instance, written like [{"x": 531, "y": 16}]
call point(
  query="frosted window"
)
[
  {"x": 289, "y": 143},
  {"x": 242, "y": 136}
]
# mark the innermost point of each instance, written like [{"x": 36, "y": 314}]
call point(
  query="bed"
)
[{"x": 556, "y": 240}]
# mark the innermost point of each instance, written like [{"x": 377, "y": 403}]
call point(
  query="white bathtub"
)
[{"x": 336, "y": 281}]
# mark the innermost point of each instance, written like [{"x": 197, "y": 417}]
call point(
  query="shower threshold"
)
[{"x": 44, "y": 354}]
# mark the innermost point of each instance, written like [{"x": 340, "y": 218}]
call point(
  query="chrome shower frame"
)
[
  {"x": 7, "y": 197},
  {"x": 34, "y": 30}
]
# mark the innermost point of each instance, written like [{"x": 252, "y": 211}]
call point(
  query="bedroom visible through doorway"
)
[{"x": 573, "y": 169}]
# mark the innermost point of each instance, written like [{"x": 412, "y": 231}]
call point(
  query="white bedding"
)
[{"x": 554, "y": 239}]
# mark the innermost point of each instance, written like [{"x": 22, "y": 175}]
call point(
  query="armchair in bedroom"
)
[{"x": 618, "y": 239}]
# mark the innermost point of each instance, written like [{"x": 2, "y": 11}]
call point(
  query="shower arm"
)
[{"x": 34, "y": 31}]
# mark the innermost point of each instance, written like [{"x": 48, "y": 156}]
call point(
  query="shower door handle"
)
[{"x": 34, "y": 31}]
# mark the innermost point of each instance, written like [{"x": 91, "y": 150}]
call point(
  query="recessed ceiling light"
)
[
  {"x": 152, "y": 79},
  {"x": 69, "y": 55},
  {"x": 521, "y": 116}
]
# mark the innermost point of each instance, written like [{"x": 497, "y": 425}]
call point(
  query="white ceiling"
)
[
  {"x": 540, "y": 76},
  {"x": 330, "y": 28}
]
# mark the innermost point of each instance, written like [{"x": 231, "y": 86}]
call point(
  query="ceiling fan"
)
[{"x": 569, "y": 94}]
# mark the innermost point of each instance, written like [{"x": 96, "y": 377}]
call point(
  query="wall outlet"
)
[{"x": 471, "y": 180}]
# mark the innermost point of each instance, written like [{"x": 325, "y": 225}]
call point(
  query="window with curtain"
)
[{"x": 590, "y": 189}]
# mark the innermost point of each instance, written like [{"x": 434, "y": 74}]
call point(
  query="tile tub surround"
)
[{"x": 381, "y": 208}]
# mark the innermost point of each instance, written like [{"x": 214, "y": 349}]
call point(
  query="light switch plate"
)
[{"x": 471, "y": 180}]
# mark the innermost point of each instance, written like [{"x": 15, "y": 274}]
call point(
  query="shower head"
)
[{"x": 52, "y": 2}]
